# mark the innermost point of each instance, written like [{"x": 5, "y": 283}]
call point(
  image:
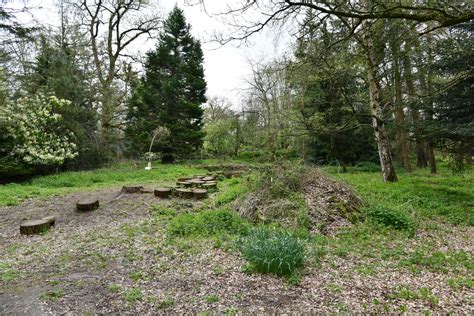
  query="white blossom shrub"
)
[{"x": 37, "y": 131}]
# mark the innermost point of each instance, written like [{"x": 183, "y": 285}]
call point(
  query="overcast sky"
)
[{"x": 225, "y": 66}]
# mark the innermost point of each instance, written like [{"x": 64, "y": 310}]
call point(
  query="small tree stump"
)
[
  {"x": 87, "y": 205},
  {"x": 188, "y": 184},
  {"x": 199, "y": 194},
  {"x": 196, "y": 183},
  {"x": 162, "y": 192},
  {"x": 132, "y": 189},
  {"x": 210, "y": 185},
  {"x": 184, "y": 193},
  {"x": 37, "y": 226}
]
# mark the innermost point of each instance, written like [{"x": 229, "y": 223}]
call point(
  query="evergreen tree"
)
[{"x": 170, "y": 94}]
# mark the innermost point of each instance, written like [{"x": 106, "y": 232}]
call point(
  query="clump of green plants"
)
[
  {"x": 132, "y": 295},
  {"x": 208, "y": 223},
  {"x": 392, "y": 218},
  {"x": 53, "y": 295},
  {"x": 270, "y": 250},
  {"x": 212, "y": 298}
]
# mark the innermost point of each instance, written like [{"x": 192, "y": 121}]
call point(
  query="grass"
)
[
  {"x": 116, "y": 175},
  {"x": 207, "y": 223},
  {"x": 417, "y": 195}
]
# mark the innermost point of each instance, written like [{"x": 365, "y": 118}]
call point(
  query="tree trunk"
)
[
  {"x": 420, "y": 147},
  {"x": 383, "y": 144},
  {"x": 402, "y": 139}
]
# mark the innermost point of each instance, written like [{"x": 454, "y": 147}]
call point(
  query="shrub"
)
[
  {"x": 273, "y": 251},
  {"x": 392, "y": 218},
  {"x": 207, "y": 223}
]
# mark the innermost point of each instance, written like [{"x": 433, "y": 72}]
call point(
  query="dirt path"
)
[{"x": 118, "y": 259}]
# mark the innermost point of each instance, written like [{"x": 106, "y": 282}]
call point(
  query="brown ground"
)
[{"x": 93, "y": 262}]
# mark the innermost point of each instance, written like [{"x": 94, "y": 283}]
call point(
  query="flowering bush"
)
[{"x": 37, "y": 131}]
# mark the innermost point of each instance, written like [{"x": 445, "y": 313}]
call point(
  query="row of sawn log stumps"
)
[{"x": 196, "y": 187}]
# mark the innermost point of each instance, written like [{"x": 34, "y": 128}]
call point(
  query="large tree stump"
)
[
  {"x": 199, "y": 194},
  {"x": 37, "y": 226},
  {"x": 162, "y": 192},
  {"x": 132, "y": 189},
  {"x": 184, "y": 193},
  {"x": 87, "y": 205}
]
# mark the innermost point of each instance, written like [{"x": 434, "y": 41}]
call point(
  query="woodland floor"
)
[{"x": 119, "y": 259}]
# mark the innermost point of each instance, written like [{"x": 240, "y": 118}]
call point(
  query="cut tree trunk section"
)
[
  {"x": 162, "y": 192},
  {"x": 184, "y": 193},
  {"x": 37, "y": 226},
  {"x": 199, "y": 194},
  {"x": 132, "y": 189},
  {"x": 87, "y": 205},
  {"x": 210, "y": 185}
]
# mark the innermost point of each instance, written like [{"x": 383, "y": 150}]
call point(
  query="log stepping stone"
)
[
  {"x": 209, "y": 178},
  {"x": 196, "y": 182},
  {"x": 182, "y": 179},
  {"x": 162, "y": 192},
  {"x": 37, "y": 226},
  {"x": 184, "y": 193},
  {"x": 210, "y": 185},
  {"x": 199, "y": 194},
  {"x": 87, "y": 205},
  {"x": 198, "y": 176},
  {"x": 133, "y": 189}
]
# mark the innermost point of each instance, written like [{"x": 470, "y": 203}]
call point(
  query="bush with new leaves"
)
[{"x": 37, "y": 131}]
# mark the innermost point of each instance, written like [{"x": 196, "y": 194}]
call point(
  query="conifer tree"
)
[{"x": 170, "y": 94}]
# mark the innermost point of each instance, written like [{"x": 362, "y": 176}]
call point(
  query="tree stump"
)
[
  {"x": 87, "y": 205},
  {"x": 37, "y": 226},
  {"x": 184, "y": 193},
  {"x": 196, "y": 183},
  {"x": 188, "y": 184},
  {"x": 162, "y": 192},
  {"x": 210, "y": 185},
  {"x": 199, "y": 194},
  {"x": 132, "y": 189}
]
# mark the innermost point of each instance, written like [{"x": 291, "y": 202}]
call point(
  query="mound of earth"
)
[
  {"x": 328, "y": 205},
  {"x": 331, "y": 204}
]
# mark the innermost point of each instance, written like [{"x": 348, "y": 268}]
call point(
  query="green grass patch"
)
[
  {"x": 53, "y": 295},
  {"x": 115, "y": 175},
  {"x": 132, "y": 295},
  {"x": 418, "y": 195},
  {"x": 231, "y": 189},
  {"x": 207, "y": 223}
]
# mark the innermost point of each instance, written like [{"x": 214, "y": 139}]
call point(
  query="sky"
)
[{"x": 226, "y": 67}]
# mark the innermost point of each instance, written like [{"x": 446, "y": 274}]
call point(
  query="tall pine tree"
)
[{"x": 170, "y": 94}]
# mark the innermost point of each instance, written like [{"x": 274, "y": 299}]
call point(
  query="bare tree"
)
[{"x": 112, "y": 27}]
